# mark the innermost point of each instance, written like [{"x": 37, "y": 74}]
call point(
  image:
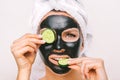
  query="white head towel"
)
[{"x": 75, "y": 8}]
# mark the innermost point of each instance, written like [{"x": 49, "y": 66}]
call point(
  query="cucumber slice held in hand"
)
[
  {"x": 63, "y": 62},
  {"x": 48, "y": 35}
]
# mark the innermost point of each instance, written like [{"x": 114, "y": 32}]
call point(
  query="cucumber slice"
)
[
  {"x": 48, "y": 35},
  {"x": 63, "y": 62}
]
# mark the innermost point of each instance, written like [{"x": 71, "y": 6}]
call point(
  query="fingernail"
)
[
  {"x": 43, "y": 41},
  {"x": 40, "y": 36},
  {"x": 69, "y": 61}
]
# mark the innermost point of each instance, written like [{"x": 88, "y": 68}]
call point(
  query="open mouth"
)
[{"x": 55, "y": 58}]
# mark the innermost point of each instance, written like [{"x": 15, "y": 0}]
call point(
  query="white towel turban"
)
[{"x": 75, "y": 8}]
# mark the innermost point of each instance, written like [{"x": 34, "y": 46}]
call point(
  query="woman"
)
[{"x": 70, "y": 43}]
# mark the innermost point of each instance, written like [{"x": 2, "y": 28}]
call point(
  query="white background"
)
[{"x": 104, "y": 19}]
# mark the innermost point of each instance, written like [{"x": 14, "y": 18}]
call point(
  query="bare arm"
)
[{"x": 24, "y": 74}]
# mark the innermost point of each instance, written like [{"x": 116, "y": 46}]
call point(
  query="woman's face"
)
[{"x": 67, "y": 41}]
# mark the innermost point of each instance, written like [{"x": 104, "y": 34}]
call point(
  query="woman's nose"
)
[{"x": 58, "y": 43}]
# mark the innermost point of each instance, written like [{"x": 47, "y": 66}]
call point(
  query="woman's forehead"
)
[
  {"x": 56, "y": 13},
  {"x": 59, "y": 22}
]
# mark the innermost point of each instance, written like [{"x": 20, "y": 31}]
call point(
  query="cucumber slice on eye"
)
[
  {"x": 48, "y": 35},
  {"x": 63, "y": 62}
]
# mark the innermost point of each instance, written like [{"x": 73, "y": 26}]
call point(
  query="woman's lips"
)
[{"x": 54, "y": 58}]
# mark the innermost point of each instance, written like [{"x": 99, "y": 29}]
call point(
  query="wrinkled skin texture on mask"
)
[{"x": 59, "y": 23}]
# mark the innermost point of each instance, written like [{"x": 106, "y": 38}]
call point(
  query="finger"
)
[
  {"x": 90, "y": 72},
  {"x": 77, "y": 60},
  {"x": 88, "y": 66},
  {"x": 23, "y": 44},
  {"x": 34, "y": 40},
  {"x": 82, "y": 70},
  {"x": 38, "y": 41},
  {"x": 28, "y": 35},
  {"x": 28, "y": 41},
  {"x": 22, "y": 51},
  {"x": 75, "y": 67},
  {"x": 73, "y": 61},
  {"x": 30, "y": 56}
]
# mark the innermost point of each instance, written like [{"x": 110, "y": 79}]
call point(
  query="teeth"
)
[{"x": 58, "y": 58}]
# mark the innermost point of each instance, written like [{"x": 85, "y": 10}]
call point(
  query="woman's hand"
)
[
  {"x": 24, "y": 50},
  {"x": 90, "y": 68}
]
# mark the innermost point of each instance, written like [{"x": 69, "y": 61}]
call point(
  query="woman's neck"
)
[{"x": 71, "y": 75}]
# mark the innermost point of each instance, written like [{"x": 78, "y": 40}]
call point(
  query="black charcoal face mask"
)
[{"x": 66, "y": 45}]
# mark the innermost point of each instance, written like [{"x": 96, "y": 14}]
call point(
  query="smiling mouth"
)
[{"x": 54, "y": 58}]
